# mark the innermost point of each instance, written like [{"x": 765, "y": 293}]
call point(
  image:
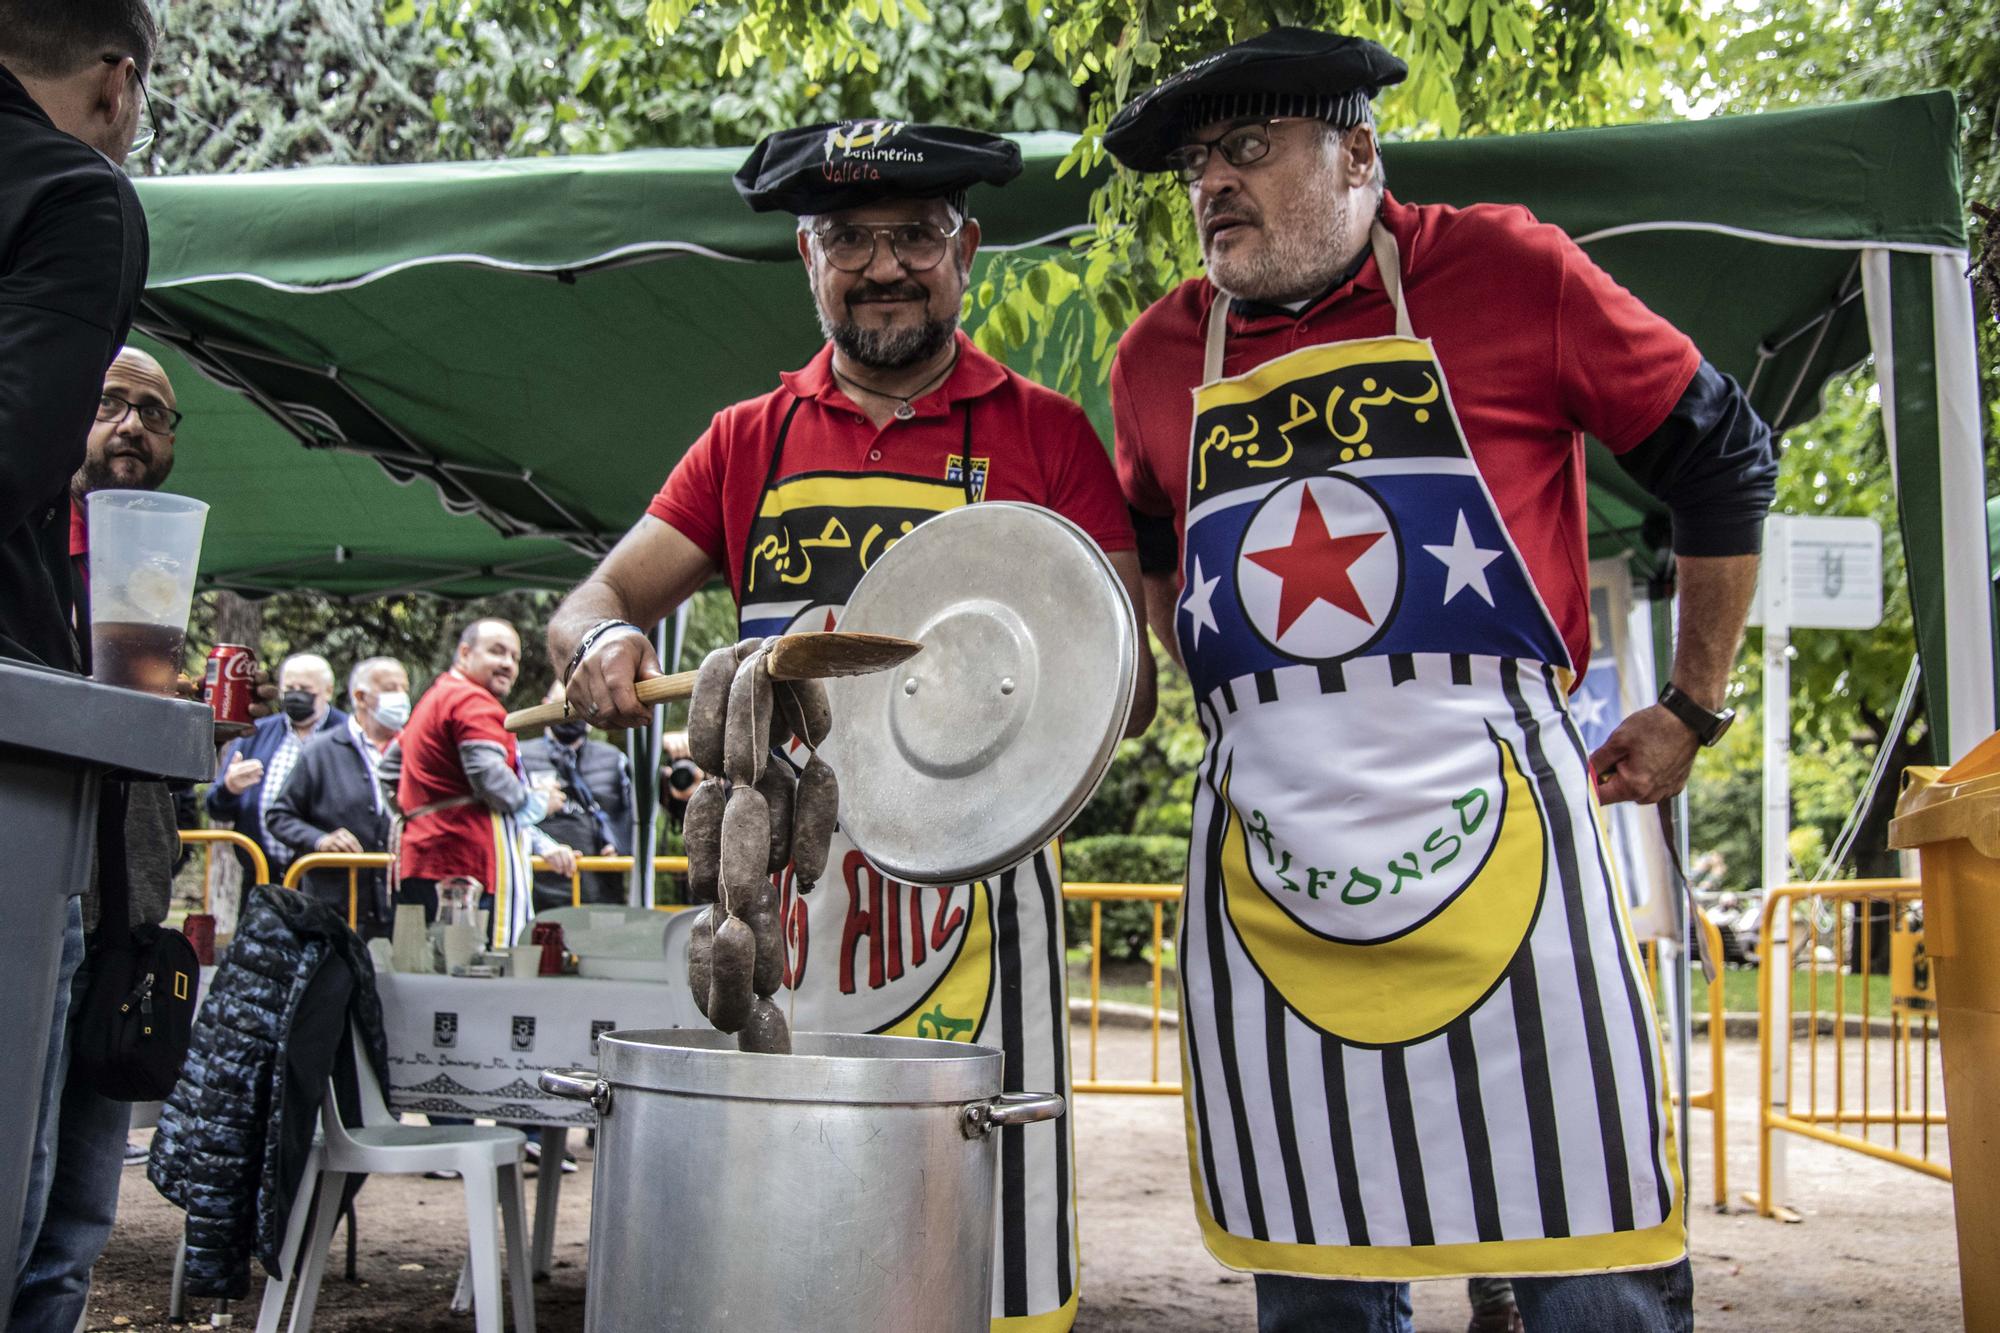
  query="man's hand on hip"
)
[
  {"x": 601, "y": 691},
  {"x": 1646, "y": 759}
]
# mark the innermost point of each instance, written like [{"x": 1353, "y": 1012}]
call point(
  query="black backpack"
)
[{"x": 130, "y": 1032}]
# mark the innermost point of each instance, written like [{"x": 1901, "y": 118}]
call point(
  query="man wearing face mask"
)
[
  {"x": 254, "y": 769},
  {"x": 594, "y": 816},
  {"x": 332, "y": 801}
]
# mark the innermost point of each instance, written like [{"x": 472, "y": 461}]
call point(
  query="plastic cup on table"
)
[
  {"x": 144, "y": 550},
  {"x": 526, "y": 961}
]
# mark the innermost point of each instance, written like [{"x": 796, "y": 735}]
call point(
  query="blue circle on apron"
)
[{"x": 1320, "y": 570}]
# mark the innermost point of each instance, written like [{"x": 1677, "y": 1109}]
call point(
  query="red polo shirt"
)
[
  {"x": 1538, "y": 345},
  {"x": 460, "y": 840},
  {"x": 1038, "y": 446}
]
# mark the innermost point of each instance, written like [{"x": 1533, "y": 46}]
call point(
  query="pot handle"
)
[
  {"x": 581, "y": 1084},
  {"x": 978, "y": 1119}
]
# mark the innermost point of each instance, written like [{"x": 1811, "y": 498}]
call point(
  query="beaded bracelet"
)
[{"x": 589, "y": 641}]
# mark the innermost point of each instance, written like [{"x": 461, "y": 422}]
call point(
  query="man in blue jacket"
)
[{"x": 253, "y": 770}]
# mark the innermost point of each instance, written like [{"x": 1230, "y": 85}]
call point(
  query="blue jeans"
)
[
  {"x": 1652, "y": 1300},
  {"x": 91, "y": 1132},
  {"x": 40, "y": 1165}
]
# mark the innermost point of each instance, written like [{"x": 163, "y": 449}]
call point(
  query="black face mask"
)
[
  {"x": 299, "y": 705},
  {"x": 569, "y": 733}
]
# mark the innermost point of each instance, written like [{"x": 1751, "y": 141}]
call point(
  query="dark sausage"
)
[
  {"x": 765, "y": 1031},
  {"x": 731, "y": 971},
  {"x": 746, "y": 848},
  {"x": 706, "y": 709},
  {"x": 701, "y": 957},
  {"x": 701, "y": 831},
  {"x": 746, "y": 741},
  {"x": 814, "y": 813},
  {"x": 778, "y": 785},
  {"x": 804, "y": 706}
]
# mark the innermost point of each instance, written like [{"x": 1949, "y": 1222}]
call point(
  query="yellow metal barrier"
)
[
  {"x": 208, "y": 838},
  {"x": 1713, "y": 1100},
  {"x": 1159, "y": 895},
  {"x": 355, "y": 862},
  {"x": 1843, "y": 919}
]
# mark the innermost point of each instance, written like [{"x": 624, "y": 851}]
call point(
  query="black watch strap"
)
[{"x": 1708, "y": 728}]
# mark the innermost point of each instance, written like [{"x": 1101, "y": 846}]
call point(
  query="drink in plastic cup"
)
[{"x": 144, "y": 547}]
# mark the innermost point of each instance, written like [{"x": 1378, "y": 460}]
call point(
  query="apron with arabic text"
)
[
  {"x": 978, "y": 962},
  {"x": 1415, "y": 1036}
]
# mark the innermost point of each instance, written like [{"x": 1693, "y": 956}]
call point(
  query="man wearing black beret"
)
[
  {"x": 791, "y": 496},
  {"x": 1418, "y": 1040}
]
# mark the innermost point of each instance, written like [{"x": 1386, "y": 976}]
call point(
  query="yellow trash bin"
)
[{"x": 1953, "y": 819}]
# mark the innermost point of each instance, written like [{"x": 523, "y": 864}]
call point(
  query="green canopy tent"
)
[{"x": 534, "y": 343}]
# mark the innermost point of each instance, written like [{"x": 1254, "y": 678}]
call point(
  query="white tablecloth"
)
[{"x": 474, "y": 1046}]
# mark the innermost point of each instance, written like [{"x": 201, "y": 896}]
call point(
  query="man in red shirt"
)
[
  {"x": 1417, "y": 1038},
  {"x": 791, "y": 496},
  {"x": 455, "y": 774}
]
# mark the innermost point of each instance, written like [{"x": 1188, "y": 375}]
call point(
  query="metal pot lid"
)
[{"x": 971, "y": 756}]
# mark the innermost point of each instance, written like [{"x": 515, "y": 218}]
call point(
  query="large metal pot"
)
[{"x": 847, "y": 1186}]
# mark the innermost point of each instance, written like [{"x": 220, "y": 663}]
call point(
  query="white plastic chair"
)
[{"x": 486, "y": 1157}]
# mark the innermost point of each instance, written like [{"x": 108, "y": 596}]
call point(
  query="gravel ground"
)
[{"x": 1875, "y": 1254}]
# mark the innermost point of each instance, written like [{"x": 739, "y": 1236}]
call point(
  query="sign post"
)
[{"x": 1817, "y": 573}]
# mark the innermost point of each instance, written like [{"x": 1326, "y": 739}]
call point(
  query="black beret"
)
[
  {"x": 821, "y": 168},
  {"x": 1283, "y": 72}
]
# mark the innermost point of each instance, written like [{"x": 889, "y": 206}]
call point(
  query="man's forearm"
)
[
  {"x": 592, "y": 600},
  {"x": 1712, "y": 603}
]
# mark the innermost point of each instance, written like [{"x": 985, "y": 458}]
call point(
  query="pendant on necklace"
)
[{"x": 904, "y": 411}]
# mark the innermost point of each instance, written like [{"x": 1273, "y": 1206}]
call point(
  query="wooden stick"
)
[{"x": 808, "y": 656}]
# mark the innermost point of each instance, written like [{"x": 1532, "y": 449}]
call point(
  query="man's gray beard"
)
[
  {"x": 889, "y": 349},
  {"x": 1297, "y": 262}
]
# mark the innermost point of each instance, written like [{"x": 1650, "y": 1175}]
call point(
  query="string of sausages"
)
[{"x": 743, "y": 825}]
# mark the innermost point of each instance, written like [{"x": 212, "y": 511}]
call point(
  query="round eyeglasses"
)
[{"x": 918, "y": 246}]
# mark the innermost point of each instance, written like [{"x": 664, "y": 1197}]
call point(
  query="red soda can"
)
[{"x": 229, "y": 683}]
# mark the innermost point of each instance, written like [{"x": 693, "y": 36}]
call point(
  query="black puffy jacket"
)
[{"x": 232, "y": 1141}]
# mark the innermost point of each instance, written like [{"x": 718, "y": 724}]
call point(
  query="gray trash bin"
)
[{"x": 59, "y": 736}]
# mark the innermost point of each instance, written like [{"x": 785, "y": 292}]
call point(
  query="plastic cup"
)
[
  {"x": 144, "y": 549},
  {"x": 527, "y": 961}
]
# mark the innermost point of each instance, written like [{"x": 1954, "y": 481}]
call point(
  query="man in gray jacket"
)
[{"x": 332, "y": 802}]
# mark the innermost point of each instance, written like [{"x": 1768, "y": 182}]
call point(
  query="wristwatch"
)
[{"x": 1708, "y": 728}]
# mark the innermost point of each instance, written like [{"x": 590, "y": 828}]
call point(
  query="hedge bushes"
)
[{"x": 1121, "y": 859}]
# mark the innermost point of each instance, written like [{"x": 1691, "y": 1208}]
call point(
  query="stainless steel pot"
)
[{"x": 847, "y": 1186}]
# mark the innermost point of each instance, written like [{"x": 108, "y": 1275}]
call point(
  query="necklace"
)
[{"x": 903, "y": 409}]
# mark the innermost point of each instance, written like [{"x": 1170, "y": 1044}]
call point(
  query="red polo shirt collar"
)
[
  {"x": 79, "y": 531},
  {"x": 975, "y": 375}
]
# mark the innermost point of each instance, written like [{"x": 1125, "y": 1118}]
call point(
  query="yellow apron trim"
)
[
  {"x": 1307, "y": 361},
  {"x": 500, "y": 883},
  {"x": 859, "y": 491},
  {"x": 1548, "y": 1256},
  {"x": 952, "y": 1009},
  {"x": 1407, "y": 987},
  {"x": 1053, "y": 1321}
]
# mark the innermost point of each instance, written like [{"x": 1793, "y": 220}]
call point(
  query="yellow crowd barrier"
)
[
  {"x": 1714, "y": 1099},
  {"x": 356, "y": 862},
  {"x": 208, "y": 839},
  {"x": 1159, "y": 895},
  {"x": 1850, "y": 1101}
]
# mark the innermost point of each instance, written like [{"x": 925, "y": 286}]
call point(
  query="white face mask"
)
[{"x": 393, "y": 710}]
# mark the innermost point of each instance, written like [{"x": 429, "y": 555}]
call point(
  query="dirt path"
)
[{"x": 1876, "y": 1254}]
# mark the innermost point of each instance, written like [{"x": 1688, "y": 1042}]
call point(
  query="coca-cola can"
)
[{"x": 230, "y": 683}]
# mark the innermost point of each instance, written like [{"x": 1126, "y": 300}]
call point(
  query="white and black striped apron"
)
[
  {"x": 979, "y": 962},
  {"x": 1416, "y": 1037}
]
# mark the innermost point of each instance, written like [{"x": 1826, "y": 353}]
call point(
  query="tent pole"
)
[
  {"x": 644, "y": 881},
  {"x": 1775, "y": 589}
]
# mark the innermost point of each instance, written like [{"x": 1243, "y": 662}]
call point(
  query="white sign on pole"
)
[{"x": 1836, "y": 571}]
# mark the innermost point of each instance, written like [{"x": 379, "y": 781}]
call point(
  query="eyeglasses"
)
[
  {"x": 918, "y": 246},
  {"x": 147, "y": 128},
  {"x": 155, "y": 417},
  {"x": 1239, "y": 147}
]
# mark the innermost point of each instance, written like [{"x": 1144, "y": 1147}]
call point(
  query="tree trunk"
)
[{"x": 239, "y": 620}]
